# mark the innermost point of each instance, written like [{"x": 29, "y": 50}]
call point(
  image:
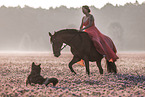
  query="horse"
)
[{"x": 82, "y": 47}]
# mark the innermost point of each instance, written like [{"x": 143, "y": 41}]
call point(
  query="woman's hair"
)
[{"x": 87, "y": 7}]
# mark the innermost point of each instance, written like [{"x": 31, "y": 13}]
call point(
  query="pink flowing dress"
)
[{"x": 102, "y": 43}]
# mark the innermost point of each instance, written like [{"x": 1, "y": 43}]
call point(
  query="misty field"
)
[{"x": 129, "y": 81}]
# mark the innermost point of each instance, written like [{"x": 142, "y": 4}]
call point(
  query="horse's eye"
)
[{"x": 54, "y": 40}]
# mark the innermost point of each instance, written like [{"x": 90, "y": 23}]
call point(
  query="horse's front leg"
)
[
  {"x": 87, "y": 65},
  {"x": 74, "y": 60}
]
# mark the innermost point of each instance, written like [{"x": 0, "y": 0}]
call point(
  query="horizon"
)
[{"x": 71, "y": 4}]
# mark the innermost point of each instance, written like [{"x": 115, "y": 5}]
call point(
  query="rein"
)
[
  {"x": 69, "y": 41},
  {"x": 63, "y": 47}
]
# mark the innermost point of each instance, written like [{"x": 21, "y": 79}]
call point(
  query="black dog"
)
[{"x": 36, "y": 78}]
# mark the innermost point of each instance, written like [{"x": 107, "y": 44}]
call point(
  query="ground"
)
[{"x": 129, "y": 81}]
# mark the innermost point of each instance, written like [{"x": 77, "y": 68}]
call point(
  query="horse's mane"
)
[{"x": 70, "y": 31}]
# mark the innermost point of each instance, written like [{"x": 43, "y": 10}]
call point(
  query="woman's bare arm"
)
[
  {"x": 91, "y": 19},
  {"x": 81, "y": 24}
]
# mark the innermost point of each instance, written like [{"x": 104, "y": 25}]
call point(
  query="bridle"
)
[
  {"x": 69, "y": 42},
  {"x": 63, "y": 47}
]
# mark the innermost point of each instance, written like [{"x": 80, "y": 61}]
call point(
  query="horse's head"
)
[{"x": 57, "y": 43}]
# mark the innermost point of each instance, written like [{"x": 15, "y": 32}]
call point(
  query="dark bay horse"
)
[{"x": 81, "y": 47}]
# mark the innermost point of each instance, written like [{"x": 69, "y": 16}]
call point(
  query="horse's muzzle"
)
[{"x": 56, "y": 54}]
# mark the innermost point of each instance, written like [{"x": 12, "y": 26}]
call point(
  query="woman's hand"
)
[{"x": 81, "y": 29}]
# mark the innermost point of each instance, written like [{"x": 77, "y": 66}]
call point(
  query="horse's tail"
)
[{"x": 111, "y": 67}]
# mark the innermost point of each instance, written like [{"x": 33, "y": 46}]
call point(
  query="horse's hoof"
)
[
  {"x": 101, "y": 73},
  {"x": 115, "y": 73},
  {"x": 73, "y": 73}
]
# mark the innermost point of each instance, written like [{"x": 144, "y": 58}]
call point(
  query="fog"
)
[{"x": 26, "y": 29}]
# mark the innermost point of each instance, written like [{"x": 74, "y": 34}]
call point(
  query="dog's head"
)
[{"x": 36, "y": 68}]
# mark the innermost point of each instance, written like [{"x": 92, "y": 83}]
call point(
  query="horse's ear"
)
[{"x": 50, "y": 34}]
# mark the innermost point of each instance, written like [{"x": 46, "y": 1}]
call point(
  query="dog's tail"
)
[{"x": 51, "y": 80}]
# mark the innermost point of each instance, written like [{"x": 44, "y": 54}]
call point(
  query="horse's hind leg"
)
[
  {"x": 74, "y": 60},
  {"x": 111, "y": 67},
  {"x": 87, "y": 65},
  {"x": 99, "y": 66},
  {"x": 114, "y": 68}
]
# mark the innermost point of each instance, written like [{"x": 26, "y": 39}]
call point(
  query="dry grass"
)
[{"x": 130, "y": 80}]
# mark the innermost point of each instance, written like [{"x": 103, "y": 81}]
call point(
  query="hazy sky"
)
[{"x": 69, "y": 3}]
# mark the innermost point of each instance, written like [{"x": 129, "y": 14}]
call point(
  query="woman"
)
[{"x": 102, "y": 43}]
